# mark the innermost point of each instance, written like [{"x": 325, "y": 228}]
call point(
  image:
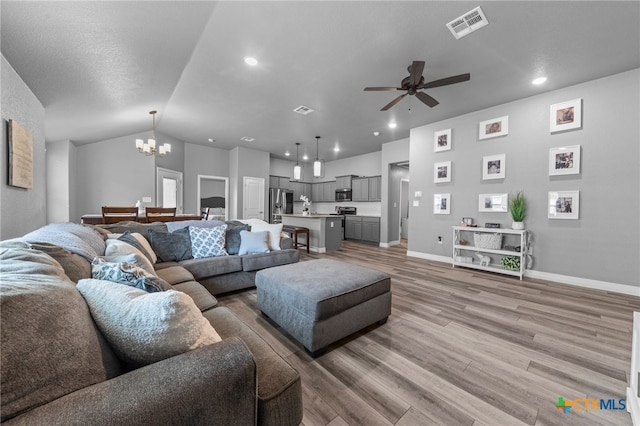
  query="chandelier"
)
[{"x": 149, "y": 147}]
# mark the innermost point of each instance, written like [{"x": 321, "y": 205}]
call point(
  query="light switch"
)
[
  {"x": 146, "y": 199},
  {"x": 332, "y": 224},
  {"x": 416, "y": 203},
  {"x": 418, "y": 194}
]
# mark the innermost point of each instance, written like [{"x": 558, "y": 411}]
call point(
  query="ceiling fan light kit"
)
[
  {"x": 149, "y": 147},
  {"x": 415, "y": 82}
]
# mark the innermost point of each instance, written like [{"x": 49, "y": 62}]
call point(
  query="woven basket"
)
[{"x": 487, "y": 241}]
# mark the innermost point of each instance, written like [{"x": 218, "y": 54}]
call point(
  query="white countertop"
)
[{"x": 312, "y": 216}]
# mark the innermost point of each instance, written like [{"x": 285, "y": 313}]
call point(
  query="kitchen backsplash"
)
[{"x": 364, "y": 208}]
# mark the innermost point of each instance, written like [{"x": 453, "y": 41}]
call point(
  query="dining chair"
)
[
  {"x": 112, "y": 214},
  {"x": 204, "y": 213},
  {"x": 160, "y": 214}
]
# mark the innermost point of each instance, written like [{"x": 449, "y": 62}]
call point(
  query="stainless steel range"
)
[{"x": 342, "y": 211}]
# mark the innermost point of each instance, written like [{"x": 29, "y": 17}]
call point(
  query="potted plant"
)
[{"x": 517, "y": 207}]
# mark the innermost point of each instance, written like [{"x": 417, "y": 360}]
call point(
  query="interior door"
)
[
  {"x": 169, "y": 189},
  {"x": 253, "y": 198}
]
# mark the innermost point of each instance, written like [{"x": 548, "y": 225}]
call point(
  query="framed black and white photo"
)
[
  {"x": 564, "y": 205},
  {"x": 493, "y": 202},
  {"x": 494, "y": 167},
  {"x": 564, "y": 160},
  {"x": 494, "y": 127},
  {"x": 442, "y": 172},
  {"x": 565, "y": 116},
  {"x": 442, "y": 140},
  {"x": 441, "y": 203}
]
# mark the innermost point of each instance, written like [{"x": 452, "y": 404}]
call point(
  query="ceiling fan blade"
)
[
  {"x": 378, "y": 89},
  {"x": 416, "y": 73},
  {"x": 446, "y": 81},
  {"x": 393, "y": 102},
  {"x": 426, "y": 99}
]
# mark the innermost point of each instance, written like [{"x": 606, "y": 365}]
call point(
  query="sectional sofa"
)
[{"x": 75, "y": 351}]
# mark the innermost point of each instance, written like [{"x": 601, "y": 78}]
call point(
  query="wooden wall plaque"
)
[{"x": 20, "y": 156}]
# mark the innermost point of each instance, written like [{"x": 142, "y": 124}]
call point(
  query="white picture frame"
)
[
  {"x": 493, "y": 203},
  {"x": 564, "y": 160},
  {"x": 493, "y": 128},
  {"x": 565, "y": 116},
  {"x": 442, "y": 140},
  {"x": 494, "y": 167},
  {"x": 442, "y": 172},
  {"x": 564, "y": 205},
  {"x": 441, "y": 203}
]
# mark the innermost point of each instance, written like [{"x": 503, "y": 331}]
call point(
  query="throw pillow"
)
[
  {"x": 253, "y": 242},
  {"x": 208, "y": 242},
  {"x": 233, "y": 237},
  {"x": 274, "y": 233},
  {"x": 171, "y": 246},
  {"x": 129, "y": 274},
  {"x": 174, "y": 226},
  {"x": 135, "y": 240},
  {"x": 117, "y": 248},
  {"x": 146, "y": 327},
  {"x": 76, "y": 267}
]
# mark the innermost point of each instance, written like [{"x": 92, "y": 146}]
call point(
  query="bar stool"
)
[{"x": 294, "y": 231}]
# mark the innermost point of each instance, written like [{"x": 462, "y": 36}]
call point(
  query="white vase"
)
[
  {"x": 517, "y": 225},
  {"x": 306, "y": 213}
]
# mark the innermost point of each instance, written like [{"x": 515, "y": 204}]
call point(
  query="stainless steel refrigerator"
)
[{"x": 280, "y": 202}]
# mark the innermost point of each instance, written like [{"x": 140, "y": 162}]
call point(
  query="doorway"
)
[
  {"x": 253, "y": 198},
  {"x": 169, "y": 189},
  {"x": 213, "y": 192}
]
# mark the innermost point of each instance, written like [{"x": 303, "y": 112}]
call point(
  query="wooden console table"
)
[{"x": 96, "y": 219}]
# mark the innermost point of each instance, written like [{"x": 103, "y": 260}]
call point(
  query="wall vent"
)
[
  {"x": 247, "y": 139},
  {"x": 467, "y": 23},
  {"x": 303, "y": 110}
]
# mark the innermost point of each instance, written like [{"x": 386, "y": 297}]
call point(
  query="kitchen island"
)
[{"x": 325, "y": 230}]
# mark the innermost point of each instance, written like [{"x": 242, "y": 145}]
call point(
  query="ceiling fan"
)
[{"x": 415, "y": 82}]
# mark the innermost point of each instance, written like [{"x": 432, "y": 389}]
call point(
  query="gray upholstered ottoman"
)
[{"x": 321, "y": 301}]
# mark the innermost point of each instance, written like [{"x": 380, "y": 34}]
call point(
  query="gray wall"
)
[
  {"x": 250, "y": 163},
  {"x": 21, "y": 210},
  {"x": 59, "y": 170},
  {"x": 603, "y": 244},
  {"x": 392, "y": 153},
  {"x": 202, "y": 160}
]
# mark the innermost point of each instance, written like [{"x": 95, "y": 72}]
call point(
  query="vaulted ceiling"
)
[{"x": 100, "y": 67}]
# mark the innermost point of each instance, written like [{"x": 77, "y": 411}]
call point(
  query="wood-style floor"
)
[{"x": 463, "y": 347}]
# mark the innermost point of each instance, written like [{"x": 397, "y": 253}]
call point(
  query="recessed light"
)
[
  {"x": 392, "y": 125},
  {"x": 377, "y": 133},
  {"x": 539, "y": 80},
  {"x": 305, "y": 157},
  {"x": 210, "y": 139},
  {"x": 250, "y": 61},
  {"x": 336, "y": 149},
  {"x": 287, "y": 153}
]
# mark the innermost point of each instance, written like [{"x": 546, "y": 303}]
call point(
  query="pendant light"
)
[
  {"x": 149, "y": 147},
  {"x": 318, "y": 165},
  {"x": 297, "y": 169}
]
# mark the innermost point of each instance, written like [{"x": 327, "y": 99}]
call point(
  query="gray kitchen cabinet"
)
[
  {"x": 274, "y": 182},
  {"x": 317, "y": 192},
  {"x": 329, "y": 191},
  {"x": 371, "y": 229},
  {"x": 352, "y": 228},
  {"x": 360, "y": 189},
  {"x": 375, "y": 190},
  {"x": 283, "y": 183},
  {"x": 344, "y": 182}
]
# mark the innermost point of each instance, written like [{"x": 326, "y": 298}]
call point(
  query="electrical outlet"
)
[
  {"x": 146, "y": 199},
  {"x": 416, "y": 203},
  {"x": 439, "y": 240}
]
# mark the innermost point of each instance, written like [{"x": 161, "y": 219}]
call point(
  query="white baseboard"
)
[
  {"x": 633, "y": 407},
  {"x": 390, "y": 244},
  {"x": 563, "y": 279}
]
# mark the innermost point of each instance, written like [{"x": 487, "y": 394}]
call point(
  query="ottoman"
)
[{"x": 319, "y": 302}]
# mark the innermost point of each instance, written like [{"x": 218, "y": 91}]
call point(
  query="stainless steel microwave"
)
[{"x": 343, "y": 195}]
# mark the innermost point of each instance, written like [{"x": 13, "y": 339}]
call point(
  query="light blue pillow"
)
[
  {"x": 254, "y": 242},
  {"x": 208, "y": 242}
]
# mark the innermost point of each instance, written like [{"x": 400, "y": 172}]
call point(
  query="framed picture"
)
[
  {"x": 20, "y": 156},
  {"x": 494, "y": 127},
  {"x": 564, "y": 160},
  {"x": 441, "y": 203},
  {"x": 442, "y": 172},
  {"x": 494, "y": 166},
  {"x": 442, "y": 140},
  {"x": 493, "y": 202},
  {"x": 564, "y": 205},
  {"x": 565, "y": 116}
]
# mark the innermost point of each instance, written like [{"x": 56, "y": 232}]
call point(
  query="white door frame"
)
[
  {"x": 226, "y": 192},
  {"x": 169, "y": 174},
  {"x": 400, "y": 210}
]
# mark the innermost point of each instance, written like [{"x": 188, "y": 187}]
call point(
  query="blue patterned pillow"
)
[
  {"x": 208, "y": 242},
  {"x": 129, "y": 274}
]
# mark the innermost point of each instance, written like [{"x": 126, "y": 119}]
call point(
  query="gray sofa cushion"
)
[
  {"x": 255, "y": 262},
  {"x": 75, "y": 266},
  {"x": 212, "y": 266},
  {"x": 74, "y": 237},
  {"x": 202, "y": 298},
  {"x": 39, "y": 366},
  {"x": 171, "y": 246},
  {"x": 141, "y": 228},
  {"x": 174, "y": 274},
  {"x": 279, "y": 386}
]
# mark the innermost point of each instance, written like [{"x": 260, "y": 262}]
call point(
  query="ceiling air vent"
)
[
  {"x": 467, "y": 23},
  {"x": 247, "y": 139},
  {"x": 303, "y": 110}
]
